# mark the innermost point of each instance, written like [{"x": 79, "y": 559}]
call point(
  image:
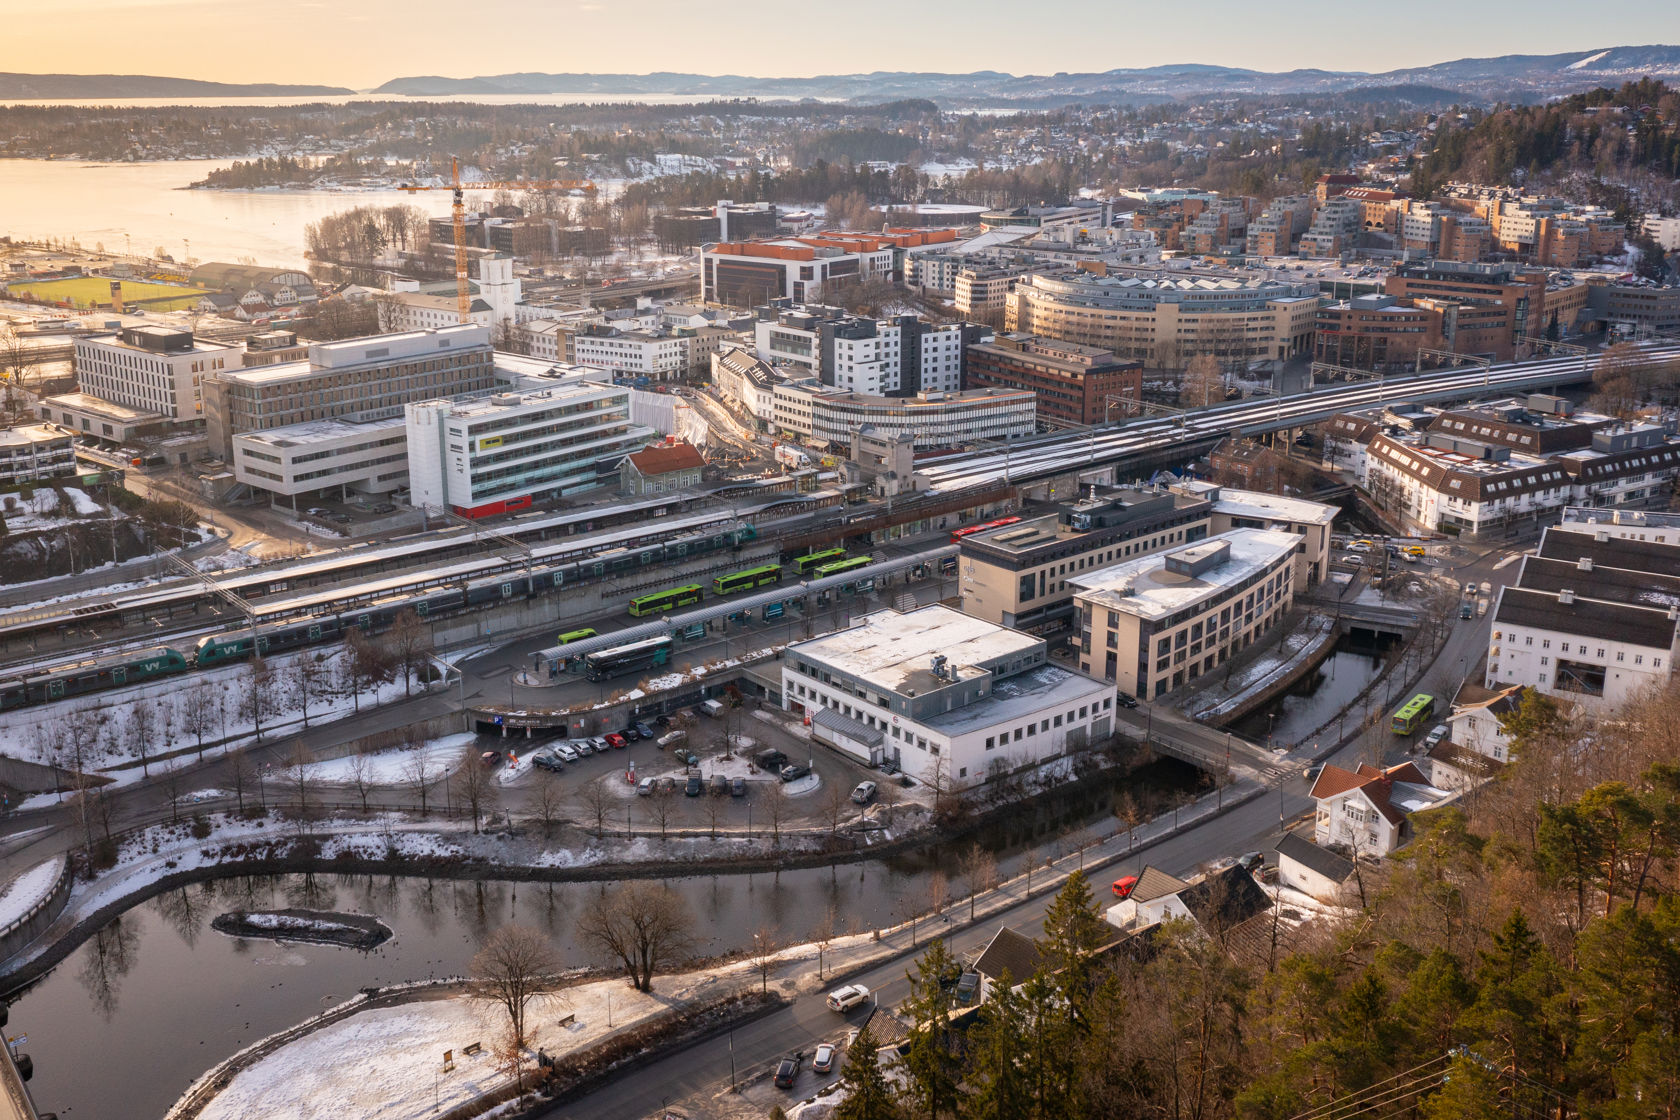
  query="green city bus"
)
[
  {"x": 571, "y": 636},
  {"x": 747, "y": 580},
  {"x": 817, "y": 559},
  {"x": 841, "y": 567},
  {"x": 1412, "y": 714},
  {"x": 661, "y": 601}
]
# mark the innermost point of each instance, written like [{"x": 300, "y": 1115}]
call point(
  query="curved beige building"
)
[{"x": 1164, "y": 318}]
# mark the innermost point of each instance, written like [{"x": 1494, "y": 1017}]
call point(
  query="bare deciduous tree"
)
[
  {"x": 549, "y": 801},
  {"x": 979, "y": 872},
  {"x": 256, "y": 698},
  {"x": 641, "y": 924},
  {"x": 140, "y": 721},
  {"x": 410, "y": 643},
  {"x": 514, "y": 967},
  {"x": 765, "y": 946},
  {"x": 477, "y": 787},
  {"x": 198, "y": 712},
  {"x": 421, "y": 774},
  {"x": 361, "y": 777},
  {"x": 598, "y": 800},
  {"x": 301, "y": 784},
  {"x": 242, "y": 775},
  {"x": 835, "y": 803},
  {"x": 775, "y": 806}
]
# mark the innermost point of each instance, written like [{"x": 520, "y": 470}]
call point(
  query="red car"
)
[
  {"x": 617, "y": 741},
  {"x": 1123, "y": 886},
  {"x": 490, "y": 759}
]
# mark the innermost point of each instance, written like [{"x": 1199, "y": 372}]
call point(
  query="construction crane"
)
[{"x": 463, "y": 299}]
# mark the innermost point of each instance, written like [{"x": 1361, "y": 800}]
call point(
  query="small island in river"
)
[{"x": 354, "y": 931}]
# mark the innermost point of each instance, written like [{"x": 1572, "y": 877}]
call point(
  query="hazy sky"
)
[{"x": 361, "y": 43}]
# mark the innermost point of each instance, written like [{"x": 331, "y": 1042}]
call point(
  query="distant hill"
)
[
  {"x": 1506, "y": 77},
  {"x": 82, "y": 87}
]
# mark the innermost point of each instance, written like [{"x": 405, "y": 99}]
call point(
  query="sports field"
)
[{"x": 86, "y": 291}]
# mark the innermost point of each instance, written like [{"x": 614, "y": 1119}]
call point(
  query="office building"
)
[
  {"x": 827, "y": 417},
  {"x": 152, "y": 368},
  {"x": 1498, "y": 302},
  {"x": 747, "y": 381},
  {"x": 329, "y": 457},
  {"x": 1278, "y": 227},
  {"x": 982, "y": 288},
  {"x": 1625, "y": 524},
  {"x": 1591, "y": 618},
  {"x": 1075, "y": 384},
  {"x": 357, "y": 379},
  {"x": 1154, "y": 623},
  {"x": 1165, "y": 317},
  {"x": 953, "y": 700},
  {"x": 507, "y": 451},
  {"x": 1019, "y": 575},
  {"x": 748, "y": 273}
]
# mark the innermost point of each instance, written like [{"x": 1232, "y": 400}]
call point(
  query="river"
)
[
  {"x": 1305, "y": 706},
  {"x": 124, "y": 1025},
  {"x": 139, "y": 207}
]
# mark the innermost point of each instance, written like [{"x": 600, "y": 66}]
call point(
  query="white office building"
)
[
  {"x": 153, "y": 368},
  {"x": 508, "y": 450},
  {"x": 954, "y": 700},
  {"x": 876, "y": 357}
]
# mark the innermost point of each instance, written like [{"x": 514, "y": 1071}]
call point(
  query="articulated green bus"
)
[
  {"x": 747, "y": 580},
  {"x": 817, "y": 559},
  {"x": 1412, "y": 714},
  {"x": 661, "y": 601},
  {"x": 571, "y": 636},
  {"x": 841, "y": 567}
]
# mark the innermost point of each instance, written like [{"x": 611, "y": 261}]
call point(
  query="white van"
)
[
  {"x": 671, "y": 737},
  {"x": 712, "y": 708}
]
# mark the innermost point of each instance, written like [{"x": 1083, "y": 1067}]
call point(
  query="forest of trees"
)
[
  {"x": 1610, "y": 134},
  {"x": 1520, "y": 957}
]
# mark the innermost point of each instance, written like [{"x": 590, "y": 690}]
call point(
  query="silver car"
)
[{"x": 565, "y": 752}]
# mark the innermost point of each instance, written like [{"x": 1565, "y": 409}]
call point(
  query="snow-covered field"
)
[
  {"x": 388, "y": 1063},
  {"x": 395, "y": 767}
]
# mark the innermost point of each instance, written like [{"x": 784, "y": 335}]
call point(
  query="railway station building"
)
[{"x": 952, "y": 699}]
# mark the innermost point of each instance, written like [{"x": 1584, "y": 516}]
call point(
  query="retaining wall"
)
[{"x": 26, "y": 929}]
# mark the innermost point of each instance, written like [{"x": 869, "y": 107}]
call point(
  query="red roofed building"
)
[
  {"x": 1365, "y": 810},
  {"x": 663, "y": 468}
]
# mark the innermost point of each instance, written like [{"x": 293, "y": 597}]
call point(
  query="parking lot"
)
[{"x": 719, "y": 801}]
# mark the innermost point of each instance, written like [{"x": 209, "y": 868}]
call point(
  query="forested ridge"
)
[{"x": 1519, "y": 958}]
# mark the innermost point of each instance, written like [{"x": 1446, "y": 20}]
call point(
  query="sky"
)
[{"x": 361, "y": 43}]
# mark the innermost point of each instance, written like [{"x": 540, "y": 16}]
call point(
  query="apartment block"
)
[
  {"x": 31, "y": 453},
  {"x": 875, "y": 357},
  {"x": 825, "y": 417},
  {"x": 1591, "y": 619}
]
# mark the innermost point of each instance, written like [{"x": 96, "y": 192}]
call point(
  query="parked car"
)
[
  {"x": 667, "y": 786},
  {"x": 630, "y": 733},
  {"x": 694, "y": 786},
  {"x": 1436, "y": 734},
  {"x": 793, "y": 771},
  {"x": 1467, "y": 609},
  {"x": 1123, "y": 886},
  {"x": 490, "y": 759},
  {"x": 598, "y": 743},
  {"x": 968, "y": 988},
  {"x": 671, "y": 738},
  {"x": 720, "y": 785},
  {"x": 1359, "y": 546},
  {"x": 548, "y": 760},
  {"x": 1311, "y": 772},
  {"x": 687, "y": 758},
  {"x": 786, "y": 1070},
  {"x": 770, "y": 759},
  {"x": 848, "y": 997},
  {"x": 1487, "y": 587},
  {"x": 1125, "y": 700},
  {"x": 1248, "y": 861},
  {"x": 823, "y": 1060},
  {"x": 617, "y": 741},
  {"x": 711, "y": 707},
  {"x": 864, "y": 793},
  {"x": 565, "y": 751},
  {"x": 642, "y": 729},
  {"x": 644, "y": 788},
  {"x": 737, "y": 787}
]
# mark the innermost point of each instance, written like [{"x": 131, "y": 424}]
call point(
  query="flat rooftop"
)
[
  {"x": 1260, "y": 504},
  {"x": 99, "y": 406},
  {"x": 893, "y": 651},
  {"x": 1143, "y": 587},
  {"x": 1014, "y": 698},
  {"x": 322, "y": 431},
  {"x": 27, "y": 435}
]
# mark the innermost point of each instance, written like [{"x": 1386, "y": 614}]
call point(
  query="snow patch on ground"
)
[{"x": 85, "y": 506}]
